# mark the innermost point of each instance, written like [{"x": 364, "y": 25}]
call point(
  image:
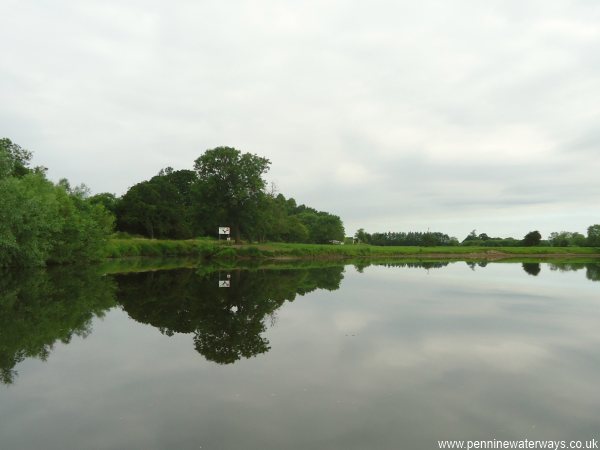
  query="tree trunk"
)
[{"x": 236, "y": 229}]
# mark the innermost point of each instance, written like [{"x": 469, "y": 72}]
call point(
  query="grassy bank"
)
[{"x": 213, "y": 250}]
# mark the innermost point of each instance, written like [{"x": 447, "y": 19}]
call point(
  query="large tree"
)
[
  {"x": 232, "y": 185},
  {"x": 532, "y": 238},
  {"x": 593, "y": 235}
]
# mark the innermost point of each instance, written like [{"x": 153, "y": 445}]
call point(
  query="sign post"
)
[{"x": 224, "y": 230}]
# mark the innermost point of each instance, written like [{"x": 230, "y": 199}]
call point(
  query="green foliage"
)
[
  {"x": 215, "y": 251},
  {"x": 362, "y": 236},
  {"x": 232, "y": 185},
  {"x": 226, "y": 253},
  {"x": 426, "y": 239},
  {"x": 227, "y": 188},
  {"x": 483, "y": 240},
  {"x": 124, "y": 248},
  {"x": 322, "y": 227},
  {"x": 593, "y": 235},
  {"x": 86, "y": 227},
  {"x": 532, "y": 238},
  {"x": 159, "y": 207},
  {"x": 41, "y": 222},
  {"x": 109, "y": 201},
  {"x": 14, "y": 160},
  {"x": 566, "y": 239},
  {"x": 29, "y": 220},
  {"x": 276, "y": 221},
  {"x": 492, "y": 242}
]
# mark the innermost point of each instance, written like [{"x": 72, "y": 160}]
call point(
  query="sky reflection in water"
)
[{"x": 326, "y": 357}]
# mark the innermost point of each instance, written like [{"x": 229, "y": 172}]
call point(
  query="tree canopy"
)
[
  {"x": 593, "y": 235},
  {"x": 226, "y": 188},
  {"x": 233, "y": 183},
  {"x": 43, "y": 222},
  {"x": 159, "y": 207},
  {"x": 532, "y": 238}
]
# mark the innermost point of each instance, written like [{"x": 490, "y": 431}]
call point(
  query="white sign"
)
[
  {"x": 224, "y": 283},
  {"x": 224, "y": 230}
]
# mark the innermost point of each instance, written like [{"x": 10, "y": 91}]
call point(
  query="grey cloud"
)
[{"x": 390, "y": 114}]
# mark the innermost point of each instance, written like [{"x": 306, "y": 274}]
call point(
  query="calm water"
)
[{"x": 372, "y": 357}]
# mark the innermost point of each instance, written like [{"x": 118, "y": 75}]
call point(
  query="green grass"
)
[
  {"x": 209, "y": 249},
  {"x": 134, "y": 247}
]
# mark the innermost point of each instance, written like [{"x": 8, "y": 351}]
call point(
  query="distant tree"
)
[
  {"x": 472, "y": 236},
  {"x": 558, "y": 239},
  {"x": 532, "y": 238},
  {"x": 275, "y": 222},
  {"x": 362, "y": 236},
  {"x": 232, "y": 183},
  {"x": 593, "y": 235},
  {"x": 578, "y": 239},
  {"x": 411, "y": 238},
  {"x": 453, "y": 241},
  {"x": 322, "y": 227},
  {"x": 566, "y": 239}
]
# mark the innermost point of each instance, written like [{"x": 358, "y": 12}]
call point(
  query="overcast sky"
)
[{"x": 395, "y": 115}]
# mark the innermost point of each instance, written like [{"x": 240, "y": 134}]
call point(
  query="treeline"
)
[
  {"x": 44, "y": 222},
  {"x": 430, "y": 239},
  {"x": 534, "y": 238},
  {"x": 41, "y": 221},
  {"x": 225, "y": 189},
  {"x": 411, "y": 238}
]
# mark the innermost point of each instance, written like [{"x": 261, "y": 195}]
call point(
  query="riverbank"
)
[{"x": 214, "y": 250}]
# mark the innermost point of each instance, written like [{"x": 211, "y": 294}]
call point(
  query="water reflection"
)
[
  {"x": 399, "y": 356},
  {"x": 39, "y": 308},
  {"x": 592, "y": 270},
  {"x": 475, "y": 264},
  {"x": 227, "y": 323},
  {"x": 532, "y": 268},
  {"x": 43, "y": 307}
]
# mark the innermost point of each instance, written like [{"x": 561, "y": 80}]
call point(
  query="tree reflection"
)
[
  {"x": 39, "y": 308},
  {"x": 227, "y": 323},
  {"x": 592, "y": 270},
  {"x": 532, "y": 268},
  {"x": 361, "y": 265}
]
